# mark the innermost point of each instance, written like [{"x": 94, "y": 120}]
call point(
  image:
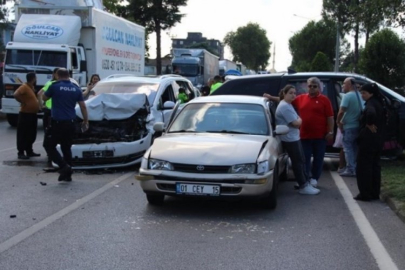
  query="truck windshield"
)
[
  {"x": 36, "y": 58},
  {"x": 186, "y": 70}
]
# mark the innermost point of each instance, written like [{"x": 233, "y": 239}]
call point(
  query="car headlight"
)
[
  {"x": 243, "y": 168},
  {"x": 155, "y": 164},
  {"x": 262, "y": 167}
]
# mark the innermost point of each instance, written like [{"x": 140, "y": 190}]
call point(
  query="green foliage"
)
[
  {"x": 383, "y": 59},
  {"x": 313, "y": 38},
  {"x": 393, "y": 180},
  {"x": 112, "y": 6},
  {"x": 156, "y": 16},
  {"x": 321, "y": 63},
  {"x": 203, "y": 45},
  {"x": 250, "y": 46}
]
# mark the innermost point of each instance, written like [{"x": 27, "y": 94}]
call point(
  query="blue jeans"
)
[
  {"x": 315, "y": 148},
  {"x": 349, "y": 143}
]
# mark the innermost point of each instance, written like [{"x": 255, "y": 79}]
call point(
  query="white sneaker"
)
[
  {"x": 313, "y": 182},
  {"x": 309, "y": 190},
  {"x": 347, "y": 173},
  {"x": 340, "y": 170}
]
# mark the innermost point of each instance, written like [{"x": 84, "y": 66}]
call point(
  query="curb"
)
[{"x": 394, "y": 205}]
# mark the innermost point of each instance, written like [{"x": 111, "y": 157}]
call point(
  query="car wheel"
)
[
  {"x": 270, "y": 201},
  {"x": 12, "y": 119},
  {"x": 155, "y": 199}
]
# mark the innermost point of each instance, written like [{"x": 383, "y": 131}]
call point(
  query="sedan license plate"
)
[
  {"x": 98, "y": 154},
  {"x": 196, "y": 189}
]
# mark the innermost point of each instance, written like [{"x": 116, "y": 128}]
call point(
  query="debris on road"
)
[
  {"x": 13, "y": 216},
  {"x": 43, "y": 183}
]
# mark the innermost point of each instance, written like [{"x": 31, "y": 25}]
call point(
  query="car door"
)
[{"x": 167, "y": 95}]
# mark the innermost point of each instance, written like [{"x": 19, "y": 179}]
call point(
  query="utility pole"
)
[{"x": 337, "y": 49}]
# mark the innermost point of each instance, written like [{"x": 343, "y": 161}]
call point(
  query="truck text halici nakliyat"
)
[{"x": 95, "y": 42}]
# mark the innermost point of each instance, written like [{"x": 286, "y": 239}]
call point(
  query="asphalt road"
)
[{"x": 102, "y": 221}]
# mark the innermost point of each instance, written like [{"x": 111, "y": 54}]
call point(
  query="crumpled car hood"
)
[
  {"x": 204, "y": 149},
  {"x": 113, "y": 106}
]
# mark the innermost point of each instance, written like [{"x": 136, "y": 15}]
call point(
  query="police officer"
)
[{"x": 65, "y": 95}]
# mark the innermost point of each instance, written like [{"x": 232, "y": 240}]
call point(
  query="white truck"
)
[
  {"x": 225, "y": 65},
  {"x": 197, "y": 65},
  {"x": 82, "y": 38}
]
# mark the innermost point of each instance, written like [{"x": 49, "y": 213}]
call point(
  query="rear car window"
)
[{"x": 251, "y": 87}]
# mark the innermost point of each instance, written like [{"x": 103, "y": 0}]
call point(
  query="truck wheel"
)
[
  {"x": 12, "y": 119},
  {"x": 155, "y": 199}
]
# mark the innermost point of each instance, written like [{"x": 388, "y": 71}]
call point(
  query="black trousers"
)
[
  {"x": 47, "y": 129},
  {"x": 368, "y": 171},
  {"x": 26, "y": 132},
  {"x": 296, "y": 154},
  {"x": 62, "y": 133}
]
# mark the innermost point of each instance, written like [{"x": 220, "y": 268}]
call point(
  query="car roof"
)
[
  {"x": 230, "y": 99},
  {"x": 127, "y": 78},
  {"x": 300, "y": 74}
]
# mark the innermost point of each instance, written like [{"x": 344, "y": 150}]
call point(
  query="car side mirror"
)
[
  {"x": 281, "y": 130},
  {"x": 159, "y": 127},
  {"x": 168, "y": 105}
]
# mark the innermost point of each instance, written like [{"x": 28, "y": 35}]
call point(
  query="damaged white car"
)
[
  {"x": 122, "y": 111},
  {"x": 219, "y": 146}
]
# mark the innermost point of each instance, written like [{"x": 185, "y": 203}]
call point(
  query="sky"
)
[{"x": 215, "y": 18}]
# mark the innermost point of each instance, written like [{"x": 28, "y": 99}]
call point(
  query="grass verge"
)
[{"x": 393, "y": 180}]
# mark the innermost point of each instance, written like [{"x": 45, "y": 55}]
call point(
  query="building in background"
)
[{"x": 194, "y": 39}]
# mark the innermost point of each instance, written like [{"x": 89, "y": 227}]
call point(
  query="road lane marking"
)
[
  {"x": 14, "y": 148},
  {"x": 377, "y": 249},
  {"x": 49, "y": 220}
]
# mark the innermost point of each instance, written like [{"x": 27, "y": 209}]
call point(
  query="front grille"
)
[
  {"x": 200, "y": 168},
  {"x": 214, "y": 181},
  {"x": 107, "y": 160}
]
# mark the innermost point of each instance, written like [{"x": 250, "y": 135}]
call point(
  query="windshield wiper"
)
[
  {"x": 17, "y": 66},
  {"x": 44, "y": 68},
  {"x": 226, "y": 131},
  {"x": 182, "y": 131}
]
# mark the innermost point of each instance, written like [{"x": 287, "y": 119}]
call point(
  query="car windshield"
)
[
  {"x": 36, "y": 58},
  {"x": 149, "y": 89},
  {"x": 186, "y": 70},
  {"x": 234, "y": 118}
]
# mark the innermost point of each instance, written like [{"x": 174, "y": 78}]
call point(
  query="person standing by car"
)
[
  {"x": 27, "y": 118},
  {"x": 370, "y": 143},
  {"x": 317, "y": 126},
  {"x": 348, "y": 123},
  {"x": 64, "y": 96},
  {"x": 94, "y": 79},
  {"x": 216, "y": 83},
  {"x": 286, "y": 115}
]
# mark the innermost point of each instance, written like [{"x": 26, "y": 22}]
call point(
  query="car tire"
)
[
  {"x": 12, "y": 119},
  {"x": 155, "y": 199},
  {"x": 270, "y": 201}
]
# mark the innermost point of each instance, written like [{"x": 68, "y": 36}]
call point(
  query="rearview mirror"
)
[
  {"x": 281, "y": 130},
  {"x": 168, "y": 105},
  {"x": 158, "y": 127}
]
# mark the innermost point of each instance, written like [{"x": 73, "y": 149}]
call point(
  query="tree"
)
[
  {"x": 359, "y": 16},
  {"x": 112, "y": 6},
  {"x": 383, "y": 59},
  {"x": 313, "y": 38},
  {"x": 156, "y": 16},
  {"x": 250, "y": 46},
  {"x": 321, "y": 63}
]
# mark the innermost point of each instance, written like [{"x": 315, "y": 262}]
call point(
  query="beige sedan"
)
[{"x": 217, "y": 146}]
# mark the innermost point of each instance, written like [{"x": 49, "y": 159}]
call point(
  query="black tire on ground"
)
[
  {"x": 12, "y": 119},
  {"x": 155, "y": 199},
  {"x": 270, "y": 201}
]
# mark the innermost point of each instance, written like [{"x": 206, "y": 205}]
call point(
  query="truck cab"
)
[{"x": 189, "y": 67}]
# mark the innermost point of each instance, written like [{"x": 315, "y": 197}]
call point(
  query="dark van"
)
[{"x": 257, "y": 85}]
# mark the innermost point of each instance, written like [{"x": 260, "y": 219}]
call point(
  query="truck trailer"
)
[
  {"x": 83, "y": 39},
  {"x": 197, "y": 65}
]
